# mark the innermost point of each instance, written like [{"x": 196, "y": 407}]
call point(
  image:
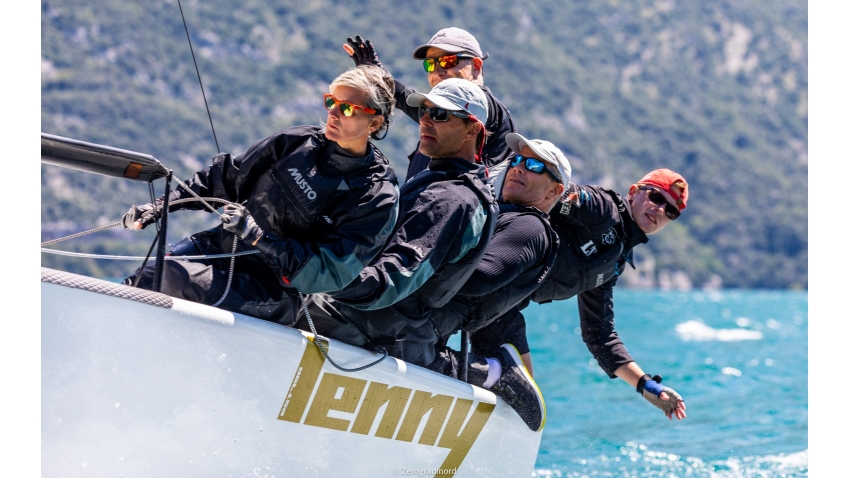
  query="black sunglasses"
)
[
  {"x": 671, "y": 211},
  {"x": 535, "y": 166},
  {"x": 440, "y": 114}
]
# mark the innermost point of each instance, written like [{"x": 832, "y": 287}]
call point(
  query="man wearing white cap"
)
[
  {"x": 447, "y": 216},
  {"x": 599, "y": 230},
  {"x": 451, "y": 53},
  {"x": 519, "y": 257}
]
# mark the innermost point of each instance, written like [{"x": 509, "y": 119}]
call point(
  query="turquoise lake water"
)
[{"x": 738, "y": 358}]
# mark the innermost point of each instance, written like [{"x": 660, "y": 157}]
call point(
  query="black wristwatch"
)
[{"x": 642, "y": 381}]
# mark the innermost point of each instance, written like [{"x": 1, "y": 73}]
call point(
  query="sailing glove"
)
[
  {"x": 237, "y": 220},
  {"x": 144, "y": 214},
  {"x": 362, "y": 52},
  {"x": 650, "y": 388}
]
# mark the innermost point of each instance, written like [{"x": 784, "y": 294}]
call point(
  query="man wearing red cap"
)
[{"x": 598, "y": 229}]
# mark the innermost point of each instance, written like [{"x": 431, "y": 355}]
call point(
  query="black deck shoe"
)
[{"x": 518, "y": 389}]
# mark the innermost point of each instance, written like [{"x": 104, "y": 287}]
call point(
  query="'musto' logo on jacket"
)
[{"x": 300, "y": 181}]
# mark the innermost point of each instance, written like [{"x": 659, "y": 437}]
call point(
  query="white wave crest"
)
[{"x": 696, "y": 331}]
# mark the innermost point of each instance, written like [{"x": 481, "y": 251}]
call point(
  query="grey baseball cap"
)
[
  {"x": 544, "y": 150},
  {"x": 452, "y": 40},
  {"x": 455, "y": 94}
]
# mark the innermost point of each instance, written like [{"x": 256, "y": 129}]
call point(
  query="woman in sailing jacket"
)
[{"x": 317, "y": 202}]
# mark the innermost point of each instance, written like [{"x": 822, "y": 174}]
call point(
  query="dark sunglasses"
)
[
  {"x": 535, "y": 166},
  {"x": 445, "y": 62},
  {"x": 671, "y": 211},
  {"x": 440, "y": 114},
  {"x": 347, "y": 109}
]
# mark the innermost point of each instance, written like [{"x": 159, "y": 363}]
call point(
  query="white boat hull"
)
[{"x": 133, "y": 389}]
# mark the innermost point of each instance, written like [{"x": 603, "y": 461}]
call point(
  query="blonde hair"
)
[{"x": 379, "y": 86}]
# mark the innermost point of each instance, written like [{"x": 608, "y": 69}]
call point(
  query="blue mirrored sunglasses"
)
[{"x": 535, "y": 166}]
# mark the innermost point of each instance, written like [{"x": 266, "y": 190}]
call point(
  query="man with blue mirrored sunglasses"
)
[
  {"x": 519, "y": 257},
  {"x": 599, "y": 229}
]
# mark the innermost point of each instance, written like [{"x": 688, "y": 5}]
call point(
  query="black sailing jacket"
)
[
  {"x": 447, "y": 216},
  {"x": 519, "y": 257},
  {"x": 325, "y": 213},
  {"x": 597, "y": 235}
]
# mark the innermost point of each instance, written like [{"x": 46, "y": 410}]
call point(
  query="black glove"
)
[
  {"x": 237, "y": 220},
  {"x": 362, "y": 52},
  {"x": 145, "y": 214}
]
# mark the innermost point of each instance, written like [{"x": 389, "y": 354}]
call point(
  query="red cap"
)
[{"x": 665, "y": 179}]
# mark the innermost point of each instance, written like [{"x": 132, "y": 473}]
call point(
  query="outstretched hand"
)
[
  {"x": 362, "y": 51},
  {"x": 669, "y": 401}
]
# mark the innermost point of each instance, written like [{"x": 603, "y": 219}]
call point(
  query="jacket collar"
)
[
  {"x": 458, "y": 164},
  {"x": 337, "y": 160},
  {"x": 634, "y": 234}
]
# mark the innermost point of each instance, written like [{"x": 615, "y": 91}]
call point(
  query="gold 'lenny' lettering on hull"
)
[
  {"x": 303, "y": 383},
  {"x": 459, "y": 442},
  {"x": 422, "y": 403},
  {"x": 325, "y": 401},
  {"x": 377, "y": 395},
  {"x": 341, "y": 393}
]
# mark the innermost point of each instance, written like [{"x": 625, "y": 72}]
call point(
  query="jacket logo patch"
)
[
  {"x": 609, "y": 237},
  {"x": 302, "y": 183},
  {"x": 599, "y": 279},
  {"x": 589, "y": 249},
  {"x": 567, "y": 201}
]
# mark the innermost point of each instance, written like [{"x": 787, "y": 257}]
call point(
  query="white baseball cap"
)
[
  {"x": 544, "y": 150},
  {"x": 455, "y": 94}
]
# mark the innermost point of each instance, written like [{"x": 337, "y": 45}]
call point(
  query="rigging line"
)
[
  {"x": 199, "y": 75},
  {"x": 139, "y": 258},
  {"x": 318, "y": 342},
  {"x": 153, "y": 201},
  {"x": 144, "y": 262}
]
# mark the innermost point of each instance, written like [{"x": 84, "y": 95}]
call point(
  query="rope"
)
[
  {"x": 139, "y": 258},
  {"x": 232, "y": 255},
  {"x": 230, "y": 273},
  {"x": 158, "y": 208},
  {"x": 325, "y": 352},
  {"x": 199, "y": 74},
  {"x": 145, "y": 262},
  {"x": 80, "y": 234},
  {"x": 198, "y": 198}
]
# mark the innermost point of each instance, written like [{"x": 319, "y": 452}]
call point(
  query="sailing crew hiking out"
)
[
  {"x": 451, "y": 53},
  {"x": 519, "y": 257},
  {"x": 317, "y": 202},
  {"x": 447, "y": 217},
  {"x": 598, "y": 229}
]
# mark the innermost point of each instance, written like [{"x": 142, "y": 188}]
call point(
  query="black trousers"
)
[
  {"x": 347, "y": 324},
  {"x": 449, "y": 362},
  {"x": 252, "y": 290}
]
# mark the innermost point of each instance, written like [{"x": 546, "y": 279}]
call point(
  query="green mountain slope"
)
[{"x": 717, "y": 91}]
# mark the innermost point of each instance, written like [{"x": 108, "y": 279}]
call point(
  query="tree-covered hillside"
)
[{"x": 714, "y": 90}]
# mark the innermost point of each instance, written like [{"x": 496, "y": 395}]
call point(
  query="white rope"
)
[{"x": 140, "y": 258}]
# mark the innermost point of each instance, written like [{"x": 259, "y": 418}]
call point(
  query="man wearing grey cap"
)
[
  {"x": 447, "y": 215},
  {"x": 451, "y": 53},
  {"x": 518, "y": 259}
]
